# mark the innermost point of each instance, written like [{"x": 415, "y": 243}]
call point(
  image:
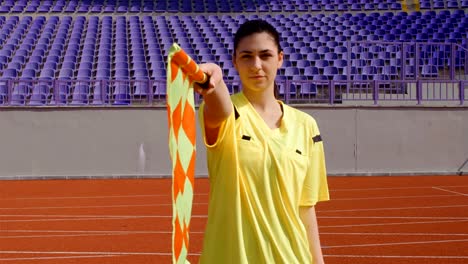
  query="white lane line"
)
[
  {"x": 393, "y": 208},
  {"x": 203, "y": 194},
  {"x": 91, "y": 231},
  {"x": 93, "y": 218},
  {"x": 396, "y": 188},
  {"x": 85, "y": 206},
  {"x": 392, "y": 234},
  {"x": 402, "y": 223},
  {"x": 84, "y": 234},
  {"x": 92, "y": 253},
  {"x": 393, "y": 217},
  {"x": 201, "y": 216},
  {"x": 201, "y": 232},
  {"x": 335, "y": 199},
  {"x": 394, "y": 197},
  {"x": 90, "y": 235},
  {"x": 49, "y": 258},
  {"x": 76, "y": 235},
  {"x": 403, "y": 257},
  {"x": 96, "y": 197},
  {"x": 75, "y": 216},
  {"x": 398, "y": 243},
  {"x": 445, "y": 190}
]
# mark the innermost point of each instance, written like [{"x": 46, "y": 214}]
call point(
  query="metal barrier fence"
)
[
  {"x": 405, "y": 60},
  {"x": 376, "y": 91},
  {"x": 358, "y": 72},
  {"x": 153, "y": 92},
  {"x": 81, "y": 92}
]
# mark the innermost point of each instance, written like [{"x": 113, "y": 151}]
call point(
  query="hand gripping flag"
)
[{"x": 182, "y": 72}]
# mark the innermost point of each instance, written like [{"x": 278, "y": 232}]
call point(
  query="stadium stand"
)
[{"x": 94, "y": 52}]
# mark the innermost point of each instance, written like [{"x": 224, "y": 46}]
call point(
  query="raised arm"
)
[{"x": 218, "y": 105}]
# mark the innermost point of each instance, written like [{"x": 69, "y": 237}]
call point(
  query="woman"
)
[{"x": 265, "y": 162}]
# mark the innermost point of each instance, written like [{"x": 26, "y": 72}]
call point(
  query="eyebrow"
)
[{"x": 250, "y": 52}]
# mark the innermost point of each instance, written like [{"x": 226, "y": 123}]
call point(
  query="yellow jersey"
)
[{"x": 259, "y": 177}]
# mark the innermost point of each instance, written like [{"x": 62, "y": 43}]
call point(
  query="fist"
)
[{"x": 215, "y": 78}]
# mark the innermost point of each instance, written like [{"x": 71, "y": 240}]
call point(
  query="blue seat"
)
[
  {"x": 40, "y": 93},
  {"x": 142, "y": 87},
  {"x": 122, "y": 95},
  {"x": 21, "y": 91},
  {"x": 10, "y": 74},
  {"x": 81, "y": 93},
  {"x": 101, "y": 92},
  {"x": 28, "y": 73},
  {"x": 330, "y": 71},
  {"x": 429, "y": 71},
  {"x": 410, "y": 71}
]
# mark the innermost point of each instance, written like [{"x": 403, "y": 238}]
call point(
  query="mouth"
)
[{"x": 257, "y": 77}]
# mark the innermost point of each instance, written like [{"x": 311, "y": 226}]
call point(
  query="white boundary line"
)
[
  {"x": 206, "y": 194},
  {"x": 394, "y": 197},
  {"x": 75, "y": 216},
  {"x": 397, "y": 243},
  {"x": 92, "y": 231},
  {"x": 91, "y": 253},
  {"x": 64, "y": 257},
  {"x": 168, "y": 195},
  {"x": 166, "y": 216},
  {"x": 201, "y": 232},
  {"x": 393, "y": 208},
  {"x": 401, "y": 223},
  {"x": 396, "y": 188},
  {"x": 85, "y": 206},
  {"x": 394, "y": 217},
  {"x": 392, "y": 234},
  {"x": 156, "y": 205},
  {"x": 201, "y": 216},
  {"x": 441, "y": 189},
  {"x": 75, "y": 235},
  {"x": 94, "y": 218},
  {"x": 410, "y": 257}
]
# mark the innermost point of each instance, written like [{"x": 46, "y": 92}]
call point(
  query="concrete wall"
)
[
  {"x": 121, "y": 142},
  {"x": 394, "y": 140}
]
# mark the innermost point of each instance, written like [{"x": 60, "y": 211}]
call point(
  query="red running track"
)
[{"x": 416, "y": 219}]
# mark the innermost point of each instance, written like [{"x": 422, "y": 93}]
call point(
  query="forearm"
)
[
  {"x": 218, "y": 105},
  {"x": 309, "y": 219}
]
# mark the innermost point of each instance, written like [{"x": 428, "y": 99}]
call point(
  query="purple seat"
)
[
  {"x": 81, "y": 93},
  {"x": 429, "y": 71},
  {"x": 121, "y": 93}
]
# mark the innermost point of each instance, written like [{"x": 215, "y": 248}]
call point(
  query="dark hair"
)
[{"x": 257, "y": 26}]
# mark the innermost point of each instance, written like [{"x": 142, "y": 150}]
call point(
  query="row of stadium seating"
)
[
  {"x": 113, "y": 6},
  {"x": 134, "y": 48},
  {"x": 134, "y": 6},
  {"x": 62, "y": 59}
]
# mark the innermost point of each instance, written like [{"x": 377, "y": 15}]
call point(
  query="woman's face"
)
[{"x": 257, "y": 60}]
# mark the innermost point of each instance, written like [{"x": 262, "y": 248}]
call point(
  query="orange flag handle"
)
[{"x": 191, "y": 68}]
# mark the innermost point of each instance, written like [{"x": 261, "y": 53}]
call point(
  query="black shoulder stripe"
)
[
  {"x": 317, "y": 138},
  {"x": 236, "y": 114}
]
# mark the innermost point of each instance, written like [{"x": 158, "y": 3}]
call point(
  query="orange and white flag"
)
[{"x": 182, "y": 72}]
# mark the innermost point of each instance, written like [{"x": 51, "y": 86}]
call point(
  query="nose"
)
[{"x": 256, "y": 63}]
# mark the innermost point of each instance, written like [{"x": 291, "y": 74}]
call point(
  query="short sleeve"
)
[
  {"x": 315, "y": 187},
  {"x": 228, "y": 125}
]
